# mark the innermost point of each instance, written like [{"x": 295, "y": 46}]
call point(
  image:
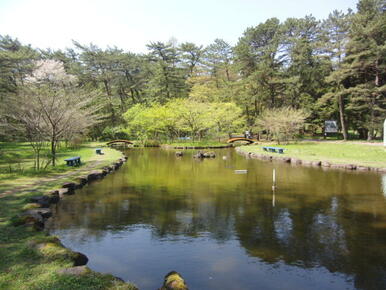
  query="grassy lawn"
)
[
  {"x": 334, "y": 152},
  {"x": 23, "y": 266},
  {"x": 16, "y": 163}
]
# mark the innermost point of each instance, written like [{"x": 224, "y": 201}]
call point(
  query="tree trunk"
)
[
  {"x": 363, "y": 132},
  {"x": 53, "y": 151},
  {"x": 109, "y": 95},
  {"x": 227, "y": 74},
  {"x": 38, "y": 160},
  {"x": 341, "y": 116}
]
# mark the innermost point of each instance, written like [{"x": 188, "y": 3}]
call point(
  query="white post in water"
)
[
  {"x": 384, "y": 133},
  {"x": 273, "y": 187},
  {"x": 273, "y": 179}
]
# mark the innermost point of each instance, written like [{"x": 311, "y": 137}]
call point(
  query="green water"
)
[{"x": 320, "y": 229}]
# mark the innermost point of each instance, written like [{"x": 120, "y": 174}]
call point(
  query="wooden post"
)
[
  {"x": 273, "y": 187},
  {"x": 273, "y": 179}
]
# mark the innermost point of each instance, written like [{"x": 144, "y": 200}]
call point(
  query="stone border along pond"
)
[
  {"x": 296, "y": 161},
  {"x": 39, "y": 212}
]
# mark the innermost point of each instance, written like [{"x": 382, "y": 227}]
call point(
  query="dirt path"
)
[{"x": 38, "y": 182}]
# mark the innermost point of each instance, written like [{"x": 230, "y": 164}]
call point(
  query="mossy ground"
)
[
  {"x": 373, "y": 155},
  {"x": 23, "y": 266}
]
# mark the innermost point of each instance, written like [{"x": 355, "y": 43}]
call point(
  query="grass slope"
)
[
  {"x": 23, "y": 266},
  {"x": 373, "y": 155}
]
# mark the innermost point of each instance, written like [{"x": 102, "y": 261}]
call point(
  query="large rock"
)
[
  {"x": 296, "y": 161},
  {"x": 107, "y": 169},
  {"x": 43, "y": 201},
  {"x": 64, "y": 191},
  {"x": 70, "y": 185},
  {"x": 80, "y": 183},
  {"x": 174, "y": 281},
  {"x": 209, "y": 154},
  {"x": 94, "y": 175},
  {"x": 54, "y": 196},
  {"x": 286, "y": 159},
  {"x": 79, "y": 259},
  {"x": 307, "y": 162},
  {"x": 338, "y": 166},
  {"x": 199, "y": 154},
  {"x": 45, "y": 213},
  {"x": 316, "y": 163},
  {"x": 325, "y": 164},
  {"x": 35, "y": 218},
  {"x": 350, "y": 166},
  {"x": 255, "y": 156}
]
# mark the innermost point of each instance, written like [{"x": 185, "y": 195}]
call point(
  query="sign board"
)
[{"x": 330, "y": 126}]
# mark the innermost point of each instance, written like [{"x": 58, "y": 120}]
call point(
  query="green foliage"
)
[
  {"x": 114, "y": 133},
  {"x": 182, "y": 117},
  {"x": 334, "y": 68}
]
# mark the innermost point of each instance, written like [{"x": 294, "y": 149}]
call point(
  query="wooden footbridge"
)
[
  {"x": 236, "y": 139},
  {"x": 119, "y": 141}
]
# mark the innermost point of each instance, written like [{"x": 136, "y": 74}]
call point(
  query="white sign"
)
[{"x": 330, "y": 126}]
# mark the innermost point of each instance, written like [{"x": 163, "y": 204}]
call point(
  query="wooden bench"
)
[
  {"x": 274, "y": 149},
  {"x": 73, "y": 161}
]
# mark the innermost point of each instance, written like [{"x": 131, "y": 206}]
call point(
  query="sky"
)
[{"x": 131, "y": 24}]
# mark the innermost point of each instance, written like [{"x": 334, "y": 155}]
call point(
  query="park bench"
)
[
  {"x": 98, "y": 151},
  {"x": 274, "y": 149},
  {"x": 73, "y": 161}
]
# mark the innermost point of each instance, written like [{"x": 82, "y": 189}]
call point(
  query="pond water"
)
[{"x": 320, "y": 229}]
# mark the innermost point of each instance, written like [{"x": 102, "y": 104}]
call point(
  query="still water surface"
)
[{"x": 221, "y": 230}]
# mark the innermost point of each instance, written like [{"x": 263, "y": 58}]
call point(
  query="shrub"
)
[{"x": 283, "y": 124}]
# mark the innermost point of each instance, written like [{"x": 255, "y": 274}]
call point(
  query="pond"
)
[{"x": 320, "y": 229}]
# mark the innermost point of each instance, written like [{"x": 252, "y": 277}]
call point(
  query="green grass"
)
[
  {"x": 21, "y": 265},
  {"x": 335, "y": 152},
  {"x": 19, "y": 157}
]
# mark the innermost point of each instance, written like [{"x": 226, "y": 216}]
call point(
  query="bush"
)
[
  {"x": 283, "y": 124},
  {"x": 113, "y": 133}
]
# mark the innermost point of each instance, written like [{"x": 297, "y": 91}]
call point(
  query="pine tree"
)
[{"x": 363, "y": 73}]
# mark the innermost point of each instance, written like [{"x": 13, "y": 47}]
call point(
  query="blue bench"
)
[
  {"x": 73, "y": 161},
  {"x": 274, "y": 149}
]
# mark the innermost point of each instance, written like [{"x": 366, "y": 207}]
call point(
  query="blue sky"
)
[{"x": 131, "y": 24}]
